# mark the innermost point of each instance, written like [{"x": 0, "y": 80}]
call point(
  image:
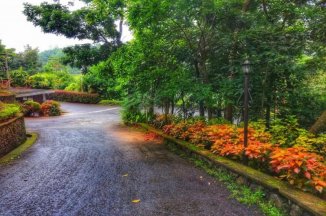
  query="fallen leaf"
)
[{"x": 135, "y": 201}]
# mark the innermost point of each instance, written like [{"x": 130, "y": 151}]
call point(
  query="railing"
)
[{"x": 4, "y": 84}]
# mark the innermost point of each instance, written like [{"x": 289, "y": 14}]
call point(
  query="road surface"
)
[{"x": 87, "y": 163}]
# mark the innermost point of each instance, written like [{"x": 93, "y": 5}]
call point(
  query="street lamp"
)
[{"x": 246, "y": 67}]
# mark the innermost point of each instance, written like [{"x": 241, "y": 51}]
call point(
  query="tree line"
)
[{"x": 186, "y": 55}]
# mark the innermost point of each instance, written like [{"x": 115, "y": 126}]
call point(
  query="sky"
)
[{"x": 16, "y": 32}]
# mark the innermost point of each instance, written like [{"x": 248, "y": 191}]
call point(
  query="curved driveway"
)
[{"x": 87, "y": 163}]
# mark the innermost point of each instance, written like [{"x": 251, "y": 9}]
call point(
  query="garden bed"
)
[{"x": 279, "y": 192}]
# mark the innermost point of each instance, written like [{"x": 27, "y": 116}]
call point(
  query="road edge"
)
[{"x": 17, "y": 152}]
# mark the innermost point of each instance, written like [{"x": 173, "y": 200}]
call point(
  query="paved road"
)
[{"x": 79, "y": 165}]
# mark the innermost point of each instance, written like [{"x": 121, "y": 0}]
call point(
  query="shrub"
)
[
  {"x": 42, "y": 81},
  {"x": 18, "y": 77},
  {"x": 8, "y": 111},
  {"x": 51, "y": 80},
  {"x": 110, "y": 102},
  {"x": 74, "y": 97},
  {"x": 299, "y": 167},
  {"x": 31, "y": 108},
  {"x": 50, "y": 108}
]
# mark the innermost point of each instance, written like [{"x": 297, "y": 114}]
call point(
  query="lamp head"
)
[{"x": 246, "y": 66}]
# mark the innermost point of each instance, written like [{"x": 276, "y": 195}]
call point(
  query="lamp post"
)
[{"x": 246, "y": 67}]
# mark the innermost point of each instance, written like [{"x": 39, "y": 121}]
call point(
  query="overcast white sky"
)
[{"x": 16, "y": 32}]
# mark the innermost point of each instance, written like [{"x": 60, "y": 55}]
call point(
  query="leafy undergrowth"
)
[
  {"x": 242, "y": 193},
  {"x": 110, "y": 102},
  {"x": 8, "y": 111},
  {"x": 297, "y": 165}
]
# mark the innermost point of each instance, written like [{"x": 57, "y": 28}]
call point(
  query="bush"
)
[
  {"x": 50, "y": 108},
  {"x": 18, "y": 77},
  {"x": 31, "y": 108},
  {"x": 8, "y": 111},
  {"x": 51, "y": 80},
  {"x": 74, "y": 97},
  {"x": 110, "y": 102},
  {"x": 41, "y": 80}
]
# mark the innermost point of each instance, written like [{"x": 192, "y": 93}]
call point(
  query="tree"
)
[{"x": 90, "y": 22}]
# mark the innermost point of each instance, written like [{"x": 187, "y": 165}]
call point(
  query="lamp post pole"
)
[{"x": 246, "y": 70}]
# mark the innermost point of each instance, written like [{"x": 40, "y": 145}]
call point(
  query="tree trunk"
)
[
  {"x": 172, "y": 107},
  {"x": 320, "y": 125},
  {"x": 201, "y": 109},
  {"x": 229, "y": 113},
  {"x": 210, "y": 113},
  {"x": 166, "y": 107}
]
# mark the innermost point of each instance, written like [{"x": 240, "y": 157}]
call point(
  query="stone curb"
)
[{"x": 280, "y": 193}]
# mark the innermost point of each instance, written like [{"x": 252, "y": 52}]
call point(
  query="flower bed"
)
[
  {"x": 296, "y": 165},
  {"x": 74, "y": 97}
]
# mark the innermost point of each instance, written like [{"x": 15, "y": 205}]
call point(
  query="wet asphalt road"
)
[{"x": 87, "y": 163}]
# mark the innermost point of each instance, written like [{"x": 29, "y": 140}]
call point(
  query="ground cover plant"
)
[
  {"x": 8, "y": 111},
  {"x": 300, "y": 166}
]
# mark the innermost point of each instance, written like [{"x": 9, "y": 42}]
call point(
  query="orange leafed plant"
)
[{"x": 299, "y": 167}]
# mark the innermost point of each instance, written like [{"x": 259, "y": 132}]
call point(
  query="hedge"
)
[{"x": 74, "y": 97}]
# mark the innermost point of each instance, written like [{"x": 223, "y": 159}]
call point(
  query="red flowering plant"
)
[{"x": 300, "y": 168}]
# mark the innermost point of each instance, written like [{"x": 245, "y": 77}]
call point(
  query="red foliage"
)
[
  {"x": 299, "y": 167},
  {"x": 295, "y": 165},
  {"x": 75, "y": 97}
]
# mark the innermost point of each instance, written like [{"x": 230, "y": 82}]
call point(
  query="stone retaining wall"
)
[{"x": 12, "y": 134}]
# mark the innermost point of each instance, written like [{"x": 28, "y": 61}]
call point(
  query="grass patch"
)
[
  {"x": 14, "y": 154},
  {"x": 242, "y": 193},
  {"x": 110, "y": 102}
]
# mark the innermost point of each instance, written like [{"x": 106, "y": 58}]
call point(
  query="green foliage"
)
[
  {"x": 28, "y": 60},
  {"x": 8, "y": 111},
  {"x": 110, "y": 102},
  {"x": 132, "y": 111},
  {"x": 51, "y": 80},
  {"x": 94, "y": 23},
  {"x": 285, "y": 132},
  {"x": 100, "y": 79},
  {"x": 31, "y": 108},
  {"x": 18, "y": 77}
]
